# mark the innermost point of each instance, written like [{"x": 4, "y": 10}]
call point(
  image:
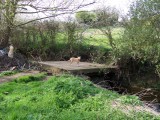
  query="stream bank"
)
[{"x": 144, "y": 86}]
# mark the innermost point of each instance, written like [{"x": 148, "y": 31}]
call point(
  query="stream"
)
[{"x": 150, "y": 97}]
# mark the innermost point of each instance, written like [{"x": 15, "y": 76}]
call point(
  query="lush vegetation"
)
[
  {"x": 86, "y": 17},
  {"x": 138, "y": 44},
  {"x": 133, "y": 46},
  {"x": 64, "y": 98},
  {"x": 140, "y": 41},
  {"x": 50, "y": 41},
  {"x": 97, "y": 36}
]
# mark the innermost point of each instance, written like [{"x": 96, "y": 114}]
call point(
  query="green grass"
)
[
  {"x": 128, "y": 99},
  {"x": 62, "y": 98},
  {"x": 94, "y": 37},
  {"x": 30, "y": 78},
  {"x": 97, "y": 38},
  {"x": 8, "y": 73}
]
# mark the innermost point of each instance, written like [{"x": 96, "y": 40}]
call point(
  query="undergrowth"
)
[{"x": 62, "y": 98}]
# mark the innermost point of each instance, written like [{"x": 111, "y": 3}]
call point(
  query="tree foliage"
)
[
  {"x": 141, "y": 39},
  {"x": 107, "y": 18},
  {"x": 85, "y": 17}
]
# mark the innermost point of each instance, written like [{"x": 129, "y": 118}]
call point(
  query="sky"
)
[{"x": 121, "y": 5}]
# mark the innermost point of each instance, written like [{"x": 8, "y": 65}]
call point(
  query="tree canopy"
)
[
  {"x": 141, "y": 39},
  {"x": 85, "y": 17}
]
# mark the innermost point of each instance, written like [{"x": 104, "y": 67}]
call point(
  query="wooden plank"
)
[{"x": 83, "y": 67}]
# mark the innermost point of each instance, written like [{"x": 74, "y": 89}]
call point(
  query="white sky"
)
[{"x": 121, "y": 5}]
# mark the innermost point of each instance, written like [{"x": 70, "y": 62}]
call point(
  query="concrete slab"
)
[{"x": 83, "y": 67}]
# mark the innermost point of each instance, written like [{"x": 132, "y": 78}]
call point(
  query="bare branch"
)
[
  {"x": 53, "y": 8},
  {"x": 42, "y": 18},
  {"x": 57, "y": 8},
  {"x": 61, "y": 11}
]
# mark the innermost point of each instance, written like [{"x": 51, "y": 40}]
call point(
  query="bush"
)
[{"x": 139, "y": 46}]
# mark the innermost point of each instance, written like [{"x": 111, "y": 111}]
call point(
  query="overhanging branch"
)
[
  {"x": 51, "y": 9},
  {"x": 43, "y": 18}
]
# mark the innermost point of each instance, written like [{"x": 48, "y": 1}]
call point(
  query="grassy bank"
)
[
  {"x": 64, "y": 98},
  {"x": 8, "y": 73}
]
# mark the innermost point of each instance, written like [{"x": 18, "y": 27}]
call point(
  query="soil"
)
[{"x": 129, "y": 108}]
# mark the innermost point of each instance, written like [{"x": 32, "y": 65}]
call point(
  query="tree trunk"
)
[
  {"x": 5, "y": 39},
  {"x": 110, "y": 38},
  {"x": 108, "y": 33},
  {"x": 9, "y": 15}
]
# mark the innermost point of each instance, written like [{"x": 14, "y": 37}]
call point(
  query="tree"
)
[
  {"x": 141, "y": 39},
  {"x": 144, "y": 30},
  {"x": 70, "y": 29},
  {"x": 106, "y": 19},
  {"x": 10, "y": 8},
  {"x": 85, "y": 17}
]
